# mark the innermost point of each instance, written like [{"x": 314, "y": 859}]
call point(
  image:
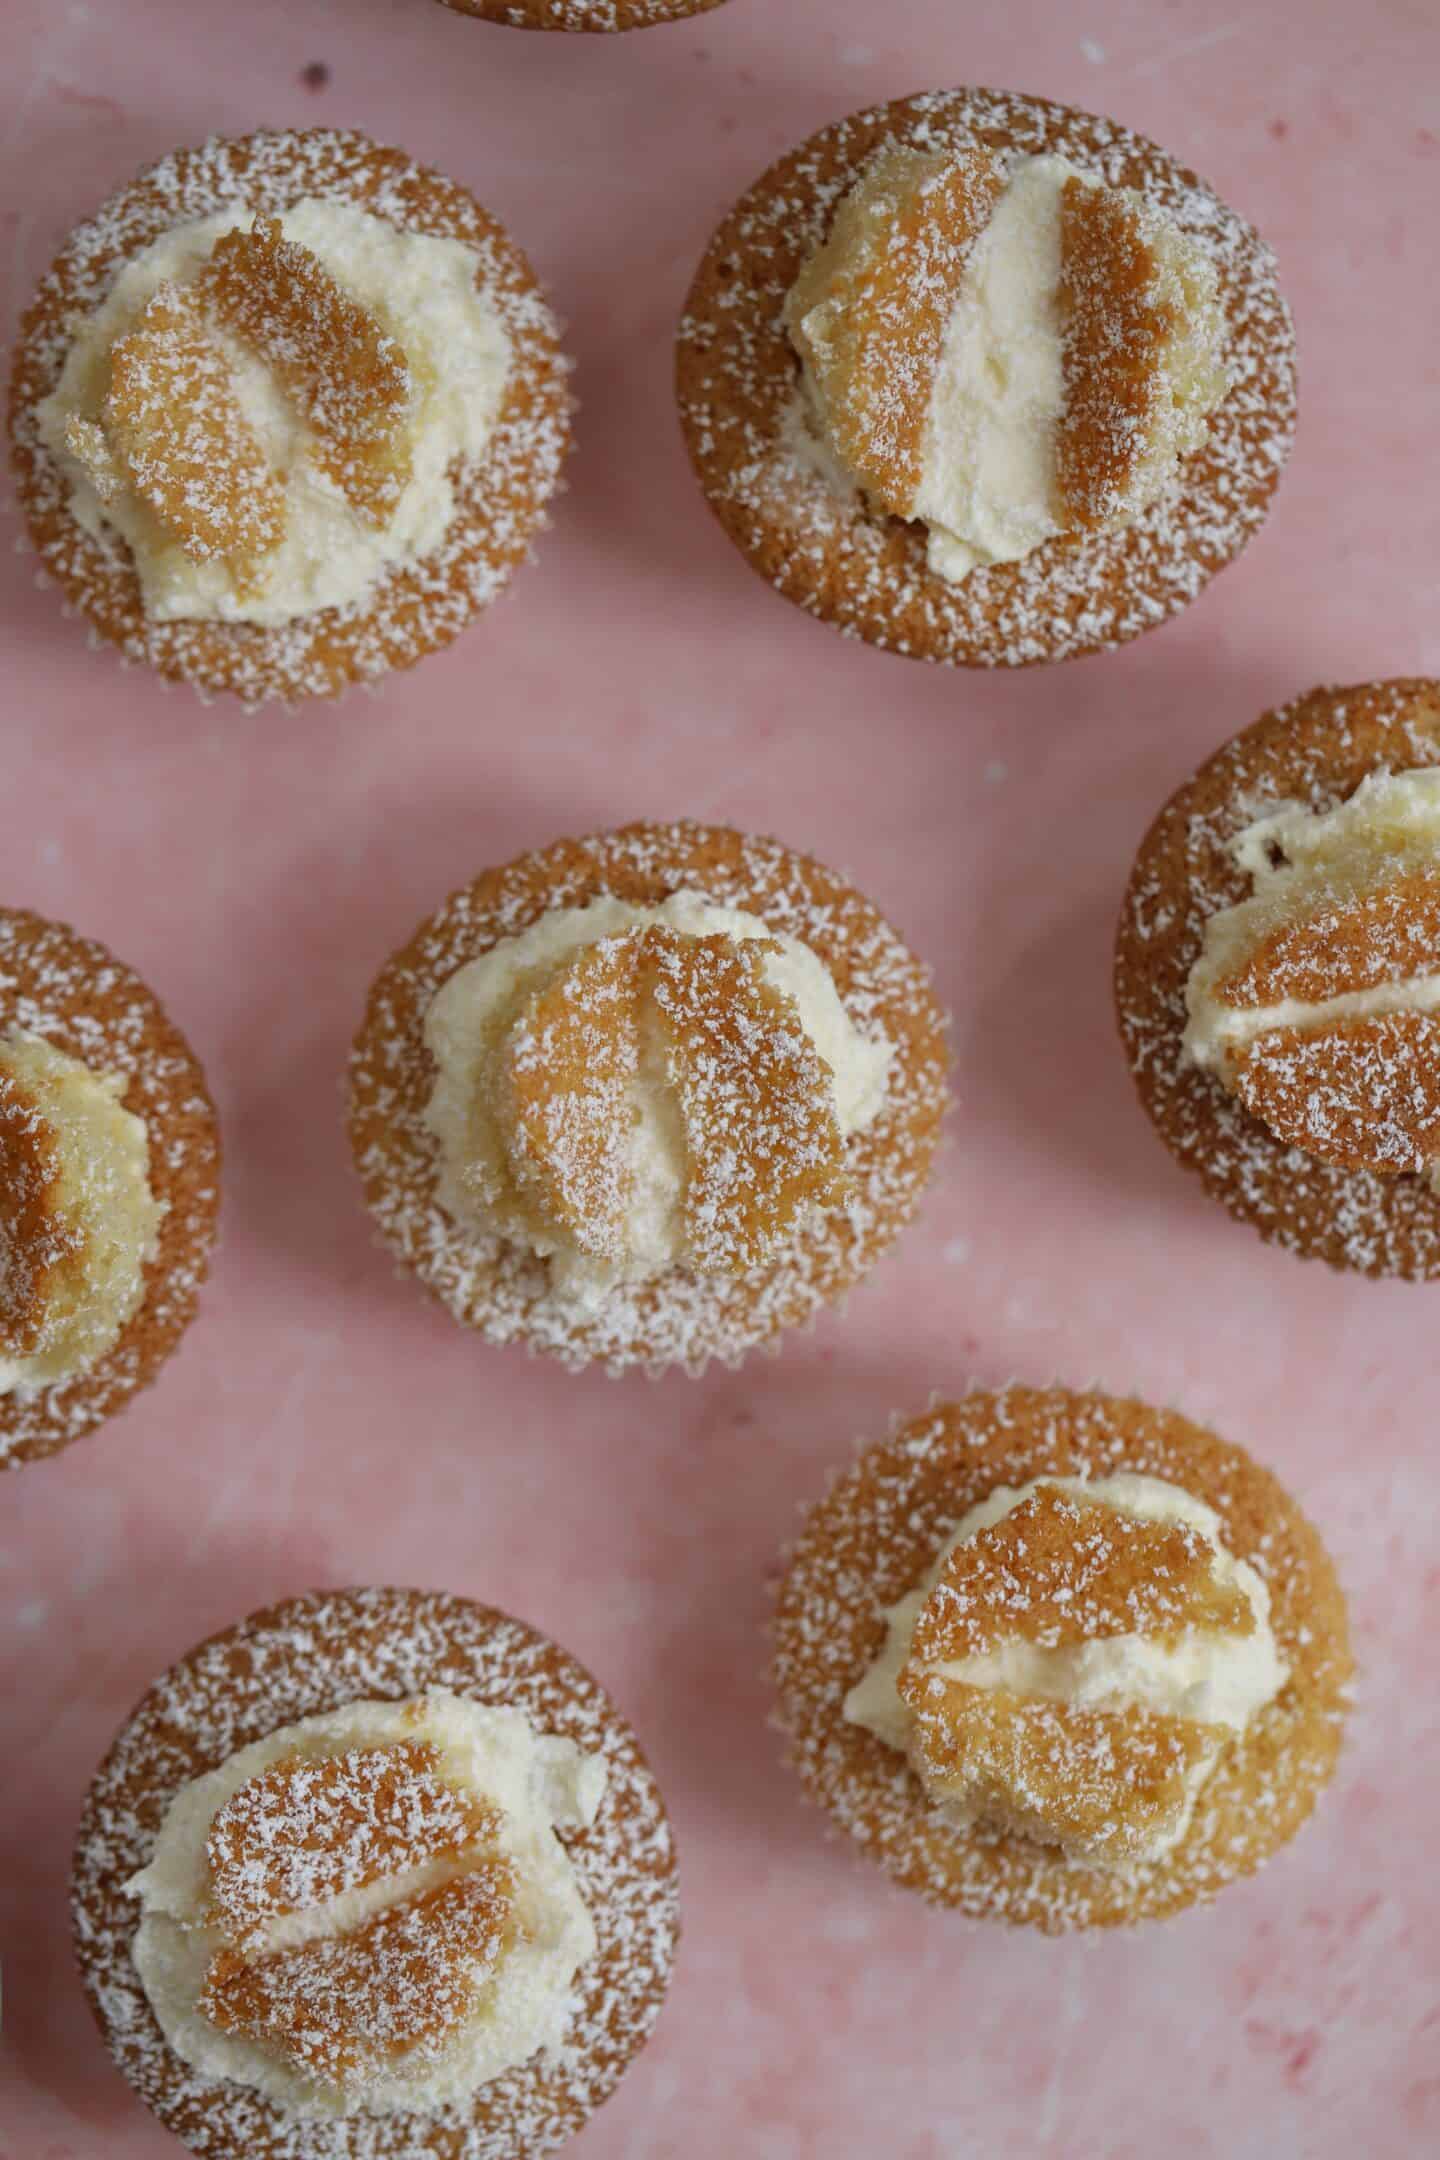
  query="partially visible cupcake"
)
[
  {"x": 109, "y": 1185},
  {"x": 647, "y": 1098},
  {"x": 375, "y": 1874},
  {"x": 1062, "y": 1660},
  {"x": 985, "y": 380},
  {"x": 1277, "y": 977},
  {"x": 286, "y": 413},
  {"x": 583, "y": 15}
]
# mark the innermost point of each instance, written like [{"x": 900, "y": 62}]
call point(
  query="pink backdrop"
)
[{"x": 323, "y": 1423}]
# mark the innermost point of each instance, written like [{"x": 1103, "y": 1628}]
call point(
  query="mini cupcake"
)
[
  {"x": 593, "y": 15},
  {"x": 285, "y": 414},
  {"x": 1062, "y": 1660},
  {"x": 375, "y": 1874},
  {"x": 109, "y": 1185},
  {"x": 986, "y": 380},
  {"x": 1277, "y": 977},
  {"x": 647, "y": 1098}
]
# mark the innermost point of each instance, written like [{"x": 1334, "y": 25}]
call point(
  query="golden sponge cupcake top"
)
[
  {"x": 1309, "y": 757},
  {"x": 172, "y": 435},
  {"x": 78, "y": 1218},
  {"x": 109, "y": 1185},
  {"x": 1142, "y": 344},
  {"x": 1005, "y": 349},
  {"x": 1317, "y": 999},
  {"x": 313, "y": 1828},
  {"x": 869, "y": 311},
  {"x": 352, "y": 382},
  {"x": 347, "y": 2006},
  {"x": 753, "y": 1096},
  {"x": 1063, "y": 1567},
  {"x": 628, "y": 1089},
  {"x": 392, "y": 1990},
  {"x": 595, "y": 16},
  {"x": 285, "y": 413},
  {"x": 985, "y": 380},
  {"x": 1060, "y": 1659},
  {"x": 369, "y": 1911},
  {"x": 1073, "y": 1666},
  {"x": 265, "y": 408},
  {"x": 648, "y": 1097},
  {"x": 404, "y": 1885}
]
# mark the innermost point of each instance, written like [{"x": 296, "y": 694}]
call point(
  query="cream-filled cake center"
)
[
  {"x": 626, "y": 1090},
  {"x": 1316, "y": 1000},
  {"x": 266, "y": 410},
  {"x": 370, "y": 1910},
  {"x": 1074, "y": 1665},
  {"x": 78, "y": 1218},
  {"x": 1005, "y": 354}
]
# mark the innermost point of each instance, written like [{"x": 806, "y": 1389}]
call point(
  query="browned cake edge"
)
[{"x": 581, "y": 15}]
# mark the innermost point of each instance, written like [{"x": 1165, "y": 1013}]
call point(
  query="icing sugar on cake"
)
[
  {"x": 74, "y": 994},
  {"x": 878, "y": 1532},
  {"x": 500, "y": 497},
  {"x": 582, "y": 15},
  {"x": 307, "y": 1830},
  {"x": 736, "y": 383},
  {"x": 504, "y": 1291},
  {"x": 316, "y": 1653},
  {"x": 1314, "y": 752}
]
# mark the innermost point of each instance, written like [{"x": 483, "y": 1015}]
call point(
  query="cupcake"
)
[
  {"x": 285, "y": 414},
  {"x": 986, "y": 380},
  {"x": 109, "y": 1185},
  {"x": 1062, "y": 1660},
  {"x": 596, "y": 15},
  {"x": 376, "y": 1874},
  {"x": 648, "y": 1098},
  {"x": 1277, "y": 977}
]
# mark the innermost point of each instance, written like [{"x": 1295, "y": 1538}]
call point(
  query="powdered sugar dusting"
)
[
  {"x": 37, "y": 1240},
  {"x": 307, "y": 1830},
  {"x": 737, "y": 377},
  {"x": 1362, "y": 1094},
  {"x": 869, "y": 312},
  {"x": 594, "y": 15},
  {"x": 350, "y": 379},
  {"x": 1054, "y": 1571},
  {"x": 174, "y": 425},
  {"x": 1313, "y": 752},
  {"x": 1107, "y": 1785},
  {"x": 499, "y": 497},
  {"x": 877, "y": 1533},
  {"x": 397, "y": 1987},
  {"x": 678, "y": 1318},
  {"x": 764, "y": 1144},
  {"x": 84, "y": 1002},
  {"x": 314, "y": 1654}
]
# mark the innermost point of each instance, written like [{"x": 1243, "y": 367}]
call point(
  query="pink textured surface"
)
[{"x": 324, "y": 1424}]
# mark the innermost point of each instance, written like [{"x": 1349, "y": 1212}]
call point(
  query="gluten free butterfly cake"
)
[
  {"x": 1277, "y": 977},
  {"x": 109, "y": 1185},
  {"x": 581, "y": 15},
  {"x": 376, "y": 1874},
  {"x": 1061, "y": 1660},
  {"x": 986, "y": 380},
  {"x": 285, "y": 414},
  {"x": 647, "y": 1098}
]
